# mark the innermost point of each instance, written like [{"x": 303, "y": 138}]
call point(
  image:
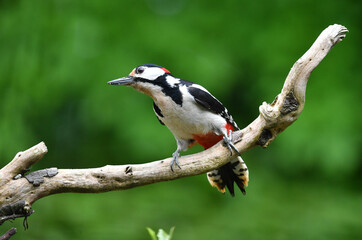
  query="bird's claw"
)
[
  {"x": 175, "y": 160},
  {"x": 229, "y": 144}
]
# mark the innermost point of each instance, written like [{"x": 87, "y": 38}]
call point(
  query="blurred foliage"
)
[
  {"x": 57, "y": 55},
  {"x": 161, "y": 234}
]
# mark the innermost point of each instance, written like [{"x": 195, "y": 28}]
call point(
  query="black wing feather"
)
[
  {"x": 209, "y": 102},
  {"x": 206, "y": 100}
]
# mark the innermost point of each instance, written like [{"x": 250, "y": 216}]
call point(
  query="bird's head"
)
[{"x": 143, "y": 78}]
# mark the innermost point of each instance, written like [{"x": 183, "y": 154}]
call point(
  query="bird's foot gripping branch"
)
[{"x": 19, "y": 192}]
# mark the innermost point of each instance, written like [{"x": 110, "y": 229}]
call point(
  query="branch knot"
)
[{"x": 269, "y": 112}]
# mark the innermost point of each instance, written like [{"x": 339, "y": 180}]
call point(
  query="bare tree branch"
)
[
  {"x": 273, "y": 119},
  {"x": 8, "y": 234},
  {"x": 21, "y": 162}
]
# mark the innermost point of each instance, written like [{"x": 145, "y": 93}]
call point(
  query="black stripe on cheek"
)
[{"x": 173, "y": 92}]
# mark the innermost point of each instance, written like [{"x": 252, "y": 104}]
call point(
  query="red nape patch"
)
[
  {"x": 166, "y": 71},
  {"x": 210, "y": 139}
]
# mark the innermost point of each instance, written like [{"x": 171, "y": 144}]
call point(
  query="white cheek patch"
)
[{"x": 152, "y": 73}]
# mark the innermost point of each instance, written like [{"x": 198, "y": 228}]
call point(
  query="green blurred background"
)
[{"x": 57, "y": 55}]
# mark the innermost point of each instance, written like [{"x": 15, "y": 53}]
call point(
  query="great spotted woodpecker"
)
[{"x": 193, "y": 115}]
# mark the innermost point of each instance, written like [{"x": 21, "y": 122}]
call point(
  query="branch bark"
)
[
  {"x": 8, "y": 234},
  {"x": 273, "y": 119}
]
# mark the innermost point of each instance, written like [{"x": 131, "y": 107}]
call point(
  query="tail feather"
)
[{"x": 234, "y": 171}]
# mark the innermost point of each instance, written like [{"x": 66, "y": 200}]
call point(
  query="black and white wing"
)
[{"x": 208, "y": 101}]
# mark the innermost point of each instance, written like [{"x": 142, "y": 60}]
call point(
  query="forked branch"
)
[{"x": 18, "y": 193}]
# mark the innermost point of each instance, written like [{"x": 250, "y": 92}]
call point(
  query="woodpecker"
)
[{"x": 193, "y": 115}]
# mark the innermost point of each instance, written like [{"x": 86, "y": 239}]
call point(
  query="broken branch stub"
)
[
  {"x": 22, "y": 162},
  {"x": 288, "y": 105}
]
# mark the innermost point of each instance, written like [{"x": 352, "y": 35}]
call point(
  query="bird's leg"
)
[
  {"x": 175, "y": 156},
  {"x": 181, "y": 146},
  {"x": 228, "y": 140}
]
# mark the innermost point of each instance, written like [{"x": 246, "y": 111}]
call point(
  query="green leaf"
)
[
  {"x": 171, "y": 232},
  {"x": 152, "y": 233}
]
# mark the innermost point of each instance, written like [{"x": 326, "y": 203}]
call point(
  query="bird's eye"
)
[{"x": 140, "y": 70}]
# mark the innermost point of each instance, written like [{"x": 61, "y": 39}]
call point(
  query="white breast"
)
[{"x": 190, "y": 118}]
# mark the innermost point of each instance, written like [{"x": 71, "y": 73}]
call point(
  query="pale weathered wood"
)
[
  {"x": 273, "y": 119},
  {"x": 21, "y": 162}
]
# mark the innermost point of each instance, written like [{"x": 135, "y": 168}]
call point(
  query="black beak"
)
[{"x": 122, "y": 81}]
